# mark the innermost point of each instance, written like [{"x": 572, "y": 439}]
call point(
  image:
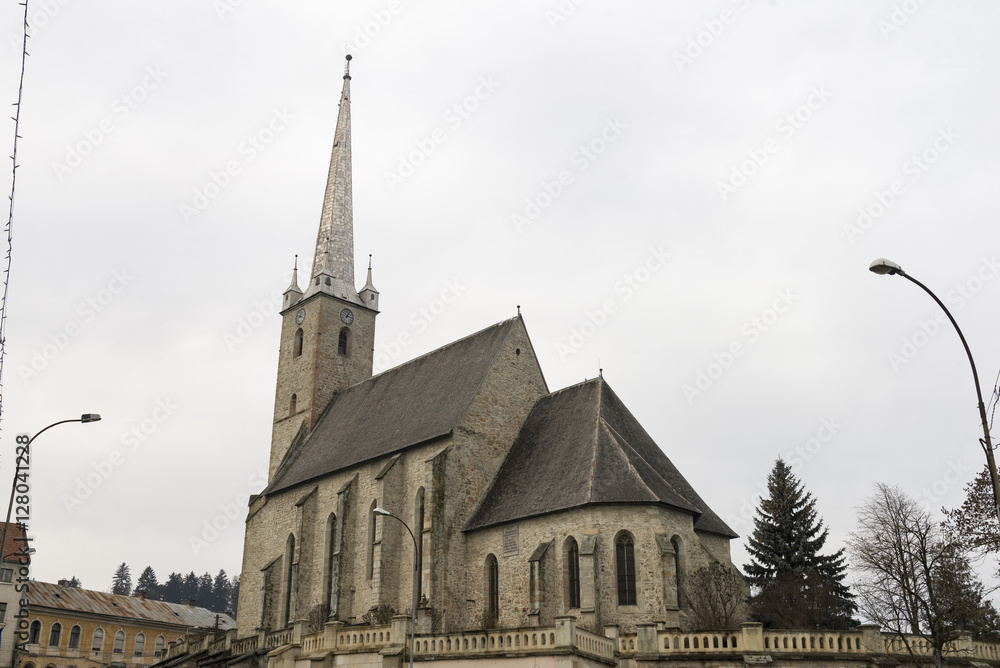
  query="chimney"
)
[
  {"x": 189, "y": 602},
  {"x": 63, "y": 583},
  {"x": 140, "y": 594}
]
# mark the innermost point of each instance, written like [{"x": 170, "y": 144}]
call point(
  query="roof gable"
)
[
  {"x": 582, "y": 446},
  {"x": 415, "y": 402}
]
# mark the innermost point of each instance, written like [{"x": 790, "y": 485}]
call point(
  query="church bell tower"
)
[{"x": 328, "y": 331}]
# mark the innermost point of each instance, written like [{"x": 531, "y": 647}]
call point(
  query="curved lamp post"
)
[
  {"x": 86, "y": 417},
  {"x": 883, "y": 266},
  {"x": 413, "y": 610}
]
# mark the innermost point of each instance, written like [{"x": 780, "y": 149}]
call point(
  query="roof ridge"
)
[
  {"x": 446, "y": 346},
  {"x": 597, "y": 438},
  {"x": 651, "y": 467},
  {"x": 635, "y": 473}
]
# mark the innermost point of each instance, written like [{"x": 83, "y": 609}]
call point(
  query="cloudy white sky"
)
[{"x": 691, "y": 178}]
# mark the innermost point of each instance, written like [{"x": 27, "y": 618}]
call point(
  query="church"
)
[
  {"x": 457, "y": 509},
  {"x": 525, "y": 504}
]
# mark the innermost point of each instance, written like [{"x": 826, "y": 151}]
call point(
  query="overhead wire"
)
[{"x": 10, "y": 213}]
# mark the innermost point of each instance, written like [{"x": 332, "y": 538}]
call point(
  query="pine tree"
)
[
  {"x": 189, "y": 590},
  {"x": 234, "y": 596},
  {"x": 221, "y": 592},
  {"x": 793, "y": 583},
  {"x": 121, "y": 582},
  {"x": 147, "y": 583},
  {"x": 172, "y": 591},
  {"x": 74, "y": 582},
  {"x": 205, "y": 597}
]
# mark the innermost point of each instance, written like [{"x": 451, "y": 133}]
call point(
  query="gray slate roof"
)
[
  {"x": 582, "y": 446},
  {"x": 73, "y": 599},
  {"x": 409, "y": 404}
]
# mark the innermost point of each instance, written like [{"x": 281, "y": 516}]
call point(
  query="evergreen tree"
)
[
  {"x": 74, "y": 582},
  {"x": 147, "y": 583},
  {"x": 172, "y": 591},
  {"x": 788, "y": 574},
  {"x": 190, "y": 587},
  {"x": 121, "y": 582},
  {"x": 221, "y": 592},
  {"x": 204, "y": 597},
  {"x": 234, "y": 596}
]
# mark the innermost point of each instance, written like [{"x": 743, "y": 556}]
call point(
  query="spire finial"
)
[
  {"x": 295, "y": 267},
  {"x": 518, "y": 309},
  {"x": 347, "y": 67},
  {"x": 369, "y": 262}
]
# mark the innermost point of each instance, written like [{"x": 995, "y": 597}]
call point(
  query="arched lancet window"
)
[
  {"x": 625, "y": 566},
  {"x": 34, "y": 632},
  {"x": 29, "y": 665},
  {"x": 492, "y": 587},
  {"x": 140, "y": 644},
  {"x": 292, "y": 405},
  {"x": 119, "y": 642},
  {"x": 418, "y": 532},
  {"x": 678, "y": 546},
  {"x": 297, "y": 350},
  {"x": 372, "y": 517},
  {"x": 572, "y": 555},
  {"x": 74, "y": 637},
  {"x": 54, "y": 634},
  {"x": 158, "y": 645},
  {"x": 331, "y": 546},
  {"x": 344, "y": 342},
  {"x": 286, "y": 605},
  {"x": 97, "y": 644}
]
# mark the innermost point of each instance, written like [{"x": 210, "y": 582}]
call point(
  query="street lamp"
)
[
  {"x": 86, "y": 417},
  {"x": 883, "y": 266},
  {"x": 413, "y": 608}
]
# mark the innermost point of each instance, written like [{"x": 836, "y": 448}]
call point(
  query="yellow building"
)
[{"x": 71, "y": 627}]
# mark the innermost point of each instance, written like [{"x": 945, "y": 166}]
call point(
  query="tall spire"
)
[{"x": 335, "y": 240}]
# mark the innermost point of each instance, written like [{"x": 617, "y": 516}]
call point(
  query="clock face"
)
[
  {"x": 346, "y": 316},
  {"x": 300, "y": 316}
]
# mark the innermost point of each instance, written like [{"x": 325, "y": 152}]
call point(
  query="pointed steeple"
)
[
  {"x": 333, "y": 263},
  {"x": 369, "y": 295},
  {"x": 292, "y": 292}
]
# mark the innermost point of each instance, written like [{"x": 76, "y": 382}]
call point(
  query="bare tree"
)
[
  {"x": 913, "y": 579},
  {"x": 715, "y": 597}
]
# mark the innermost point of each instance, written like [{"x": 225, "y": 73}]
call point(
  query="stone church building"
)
[
  {"x": 548, "y": 528},
  {"x": 526, "y": 504}
]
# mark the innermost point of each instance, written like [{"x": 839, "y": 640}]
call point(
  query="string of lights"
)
[{"x": 10, "y": 214}]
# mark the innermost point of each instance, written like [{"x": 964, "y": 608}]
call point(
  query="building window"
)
[
  {"x": 119, "y": 642},
  {"x": 158, "y": 646},
  {"x": 286, "y": 612},
  {"x": 97, "y": 644},
  {"x": 34, "y": 632},
  {"x": 3, "y": 611},
  {"x": 74, "y": 637},
  {"x": 292, "y": 405},
  {"x": 331, "y": 559},
  {"x": 573, "y": 572},
  {"x": 140, "y": 644},
  {"x": 625, "y": 565},
  {"x": 343, "y": 342},
  {"x": 678, "y": 570},
  {"x": 6, "y": 574},
  {"x": 54, "y": 634},
  {"x": 492, "y": 588},
  {"x": 418, "y": 532},
  {"x": 371, "y": 539},
  {"x": 298, "y": 343}
]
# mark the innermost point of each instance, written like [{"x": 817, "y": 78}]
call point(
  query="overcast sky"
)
[{"x": 686, "y": 194}]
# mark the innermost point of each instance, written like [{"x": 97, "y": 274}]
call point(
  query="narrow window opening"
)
[{"x": 625, "y": 564}]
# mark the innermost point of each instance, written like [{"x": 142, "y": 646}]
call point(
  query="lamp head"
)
[
  {"x": 883, "y": 266},
  {"x": 381, "y": 511},
  {"x": 90, "y": 417}
]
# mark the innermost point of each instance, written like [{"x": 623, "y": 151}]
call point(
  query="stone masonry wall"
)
[{"x": 644, "y": 523}]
